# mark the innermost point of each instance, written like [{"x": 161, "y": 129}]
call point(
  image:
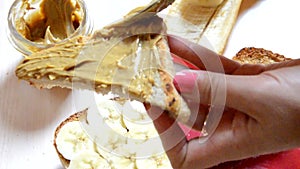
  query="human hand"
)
[{"x": 261, "y": 111}]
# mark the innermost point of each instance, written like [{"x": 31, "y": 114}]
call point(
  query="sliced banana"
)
[
  {"x": 108, "y": 109},
  {"x": 154, "y": 163},
  {"x": 103, "y": 152},
  {"x": 163, "y": 161},
  {"x": 135, "y": 110},
  {"x": 122, "y": 162},
  {"x": 118, "y": 161},
  {"x": 137, "y": 121},
  {"x": 88, "y": 160},
  {"x": 72, "y": 139},
  {"x": 137, "y": 130},
  {"x": 111, "y": 140},
  {"x": 111, "y": 112},
  {"x": 129, "y": 119},
  {"x": 146, "y": 163}
]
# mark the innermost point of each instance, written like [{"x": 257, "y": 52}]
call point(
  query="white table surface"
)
[{"x": 28, "y": 116}]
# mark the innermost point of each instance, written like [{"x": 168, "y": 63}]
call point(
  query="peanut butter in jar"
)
[{"x": 37, "y": 24}]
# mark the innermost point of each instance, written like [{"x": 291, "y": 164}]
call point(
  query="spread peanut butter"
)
[
  {"x": 48, "y": 21},
  {"x": 100, "y": 63},
  {"x": 117, "y": 55}
]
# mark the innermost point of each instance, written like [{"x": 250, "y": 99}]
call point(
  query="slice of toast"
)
[
  {"x": 132, "y": 61},
  {"x": 254, "y": 55},
  {"x": 110, "y": 158}
]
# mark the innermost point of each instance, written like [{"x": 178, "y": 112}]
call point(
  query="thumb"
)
[
  {"x": 217, "y": 89},
  {"x": 201, "y": 88}
]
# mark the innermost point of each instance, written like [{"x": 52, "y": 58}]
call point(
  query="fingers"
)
[
  {"x": 202, "y": 57},
  {"x": 288, "y": 63},
  {"x": 206, "y": 59}
]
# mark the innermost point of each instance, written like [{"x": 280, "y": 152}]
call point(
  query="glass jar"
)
[{"x": 28, "y": 46}]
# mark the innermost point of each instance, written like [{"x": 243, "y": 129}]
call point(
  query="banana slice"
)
[
  {"x": 88, "y": 160},
  {"x": 109, "y": 109},
  {"x": 129, "y": 119},
  {"x": 135, "y": 111},
  {"x": 137, "y": 121},
  {"x": 72, "y": 139},
  {"x": 146, "y": 163},
  {"x": 163, "y": 161},
  {"x": 104, "y": 153},
  {"x": 111, "y": 140},
  {"x": 122, "y": 162},
  {"x": 159, "y": 162},
  {"x": 116, "y": 160},
  {"x": 138, "y": 130}
]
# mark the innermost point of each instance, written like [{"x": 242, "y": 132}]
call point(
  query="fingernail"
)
[{"x": 185, "y": 81}]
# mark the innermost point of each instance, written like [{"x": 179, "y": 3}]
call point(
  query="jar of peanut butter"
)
[{"x": 34, "y": 25}]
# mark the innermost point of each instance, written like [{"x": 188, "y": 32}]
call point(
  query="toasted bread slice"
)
[
  {"x": 122, "y": 59},
  {"x": 118, "y": 148},
  {"x": 254, "y": 55}
]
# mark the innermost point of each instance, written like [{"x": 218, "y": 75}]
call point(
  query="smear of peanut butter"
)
[{"x": 120, "y": 54}]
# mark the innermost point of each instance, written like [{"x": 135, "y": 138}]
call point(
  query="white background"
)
[{"x": 28, "y": 116}]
